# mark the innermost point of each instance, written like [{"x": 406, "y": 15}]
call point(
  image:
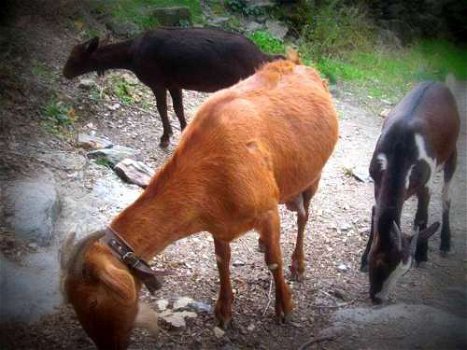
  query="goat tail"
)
[{"x": 293, "y": 56}]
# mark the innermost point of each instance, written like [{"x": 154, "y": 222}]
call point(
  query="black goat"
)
[
  {"x": 173, "y": 59},
  {"x": 418, "y": 138}
]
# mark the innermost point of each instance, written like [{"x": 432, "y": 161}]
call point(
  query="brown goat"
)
[
  {"x": 249, "y": 148},
  {"x": 173, "y": 59}
]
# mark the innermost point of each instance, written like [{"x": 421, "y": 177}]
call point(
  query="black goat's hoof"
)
[{"x": 164, "y": 143}]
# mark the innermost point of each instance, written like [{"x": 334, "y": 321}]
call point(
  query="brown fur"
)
[{"x": 251, "y": 147}]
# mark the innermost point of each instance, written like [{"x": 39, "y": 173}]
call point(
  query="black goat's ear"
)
[
  {"x": 429, "y": 231},
  {"x": 91, "y": 45}
]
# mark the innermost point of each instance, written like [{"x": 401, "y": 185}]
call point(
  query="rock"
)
[
  {"x": 113, "y": 155},
  {"x": 200, "y": 306},
  {"x": 123, "y": 28},
  {"x": 177, "y": 319},
  {"x": 277, "y": 29},
  {"x": 162, "y": 304},
  {"x": 218, "y": 332},
  {"x": 31, "y": 206},
  {"x": 345, "y": 227},
  {"x": 218, "y": 21},
  {"x": 385, "y": 112},
  {"x": 89, "y": 142},
  {"x": 134, "y": 172},
  {"x": 31, "y": 289},
  {"x": 182, "y": 302},
  {"x": 251, "y": 327},
  {"x": 398, "y": 326},
  {"x": 342, "y": 267},
  {"x": 238, "y": 263},
  {"x": 173, "y": 16},
  {"x": 86, "y": 83},
  {"x": 114, "y": 107},
  {"x": 252, "y": 27}
]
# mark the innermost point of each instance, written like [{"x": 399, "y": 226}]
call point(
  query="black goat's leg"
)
[
  {"x": 177, "y": 99},
  {"x": 449, "y": 169},
  {"x": 161, "y": 102},
  {"x": 364, "y": 259},
  {"x": 421, "y": 221}
]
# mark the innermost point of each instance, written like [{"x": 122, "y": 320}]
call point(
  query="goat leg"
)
[{"x": 223, "y": 310}]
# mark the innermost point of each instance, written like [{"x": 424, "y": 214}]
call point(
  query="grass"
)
[
  {"x": 388, "y": 74},
  {"x": 267, "y": 43},
  {"x": 58, "y": 117}
]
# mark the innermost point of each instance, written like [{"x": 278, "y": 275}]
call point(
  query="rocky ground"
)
[{"x": 427, "y": 310}]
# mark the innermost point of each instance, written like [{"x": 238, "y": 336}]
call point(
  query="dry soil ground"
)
[{"x": 335, "y": 235}]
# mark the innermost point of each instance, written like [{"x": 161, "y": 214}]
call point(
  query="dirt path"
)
[{"x": 336, "y": 231}]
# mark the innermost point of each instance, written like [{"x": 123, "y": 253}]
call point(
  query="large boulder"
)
[{"x": 31, "y": 206}]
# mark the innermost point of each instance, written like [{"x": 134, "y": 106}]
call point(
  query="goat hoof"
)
[
  {"x": 296, "y": 276},
  {"x": 164, "y": 143},
  {"x": 283, "y": 318},
  {"x": 224, "y": 324},
  {"x": 364, "y": 268}
]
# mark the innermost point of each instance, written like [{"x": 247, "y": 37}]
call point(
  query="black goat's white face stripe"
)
[{"x": 390, "y": 282}]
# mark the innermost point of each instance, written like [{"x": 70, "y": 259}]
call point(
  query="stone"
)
[
  {"x": 173, "y": 16},
  {"x": 123, "y": 28},
  {"x": 134, "y": 172},
  {"x": 182, "y": 302},
  {"x": 200, "y": 306},
  {"x": 90, "y": 142},
  {"x": 277, "y": 29},
  {"x": 162, "y": 304},
  {"x": 113, "y": 155},
  {"x": 252, "y": 27},
  {"x": 86, "y": 83},
  {"x": 218, "y": 332},
  {"x": 177, "y": 319},
  {"x": 31, "y": 206},
  {"x": 398, "y": 326},
  {"x": 342, "y": 267},
  {"x": 31, "y": 289},
  {"x": 385, "y": 112}
]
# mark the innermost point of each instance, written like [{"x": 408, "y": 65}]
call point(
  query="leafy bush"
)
[{"x": 333, "y": 29}]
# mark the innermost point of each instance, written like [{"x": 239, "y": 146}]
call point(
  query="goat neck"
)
[
  {"x": 112, "y": 56},
  {"x": 160, "y": 216}
]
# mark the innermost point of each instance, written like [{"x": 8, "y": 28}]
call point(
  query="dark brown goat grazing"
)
[
  {"x": 173, "y": 59},
  {"x": 418, "y": 137},
  {"x": 249, "y": 148}
]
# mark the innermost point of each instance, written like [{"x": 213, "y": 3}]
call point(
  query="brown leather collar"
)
[{"x": 137, "y": 266}]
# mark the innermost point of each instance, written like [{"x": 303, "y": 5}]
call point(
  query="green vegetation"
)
[
  {"x": 267, "y": 43},
  {"x": 332, "y": 31},
  {"x": 389, "y": 74},
  {"x": 140, "y": 12},
  {"x": 58, "y": 118},
  {"x": 42, "y": 71},
  {"x": 123, "y": 90}
]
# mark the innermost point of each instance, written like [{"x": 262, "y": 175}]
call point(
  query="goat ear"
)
[
  {"x": 91, "y": 45},
  {"x": 119, "y": 281},
  {"x": 396, "y": 236},
  {"x": 429, "y": 231}
]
